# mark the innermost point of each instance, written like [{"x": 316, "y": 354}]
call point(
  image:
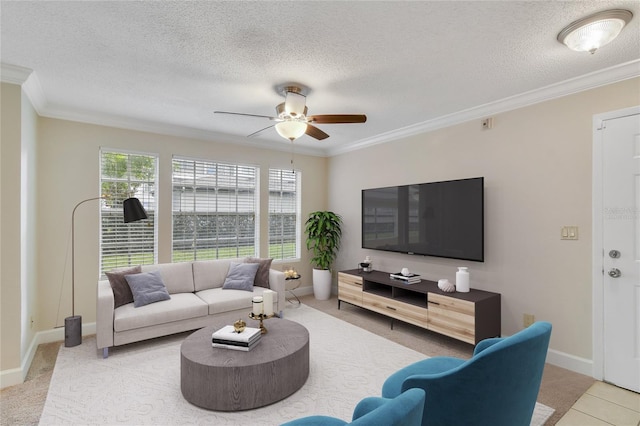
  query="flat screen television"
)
[{"x": 441, "y": 219}]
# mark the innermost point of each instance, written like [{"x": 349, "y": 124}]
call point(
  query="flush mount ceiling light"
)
[{"x": 591, "y": 33}]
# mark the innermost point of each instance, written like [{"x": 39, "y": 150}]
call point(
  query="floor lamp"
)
[{"x": 132, "y": 211}]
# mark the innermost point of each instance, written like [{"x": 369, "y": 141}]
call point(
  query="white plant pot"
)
[{"x": 322, "y": 284}]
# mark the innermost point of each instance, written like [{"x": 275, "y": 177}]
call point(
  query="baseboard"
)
[
  {"x": 16, "y": 376},
  {"x": 570, "y": 362}
]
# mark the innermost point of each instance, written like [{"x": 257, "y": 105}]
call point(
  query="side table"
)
[{"x": 290, "y": 290}]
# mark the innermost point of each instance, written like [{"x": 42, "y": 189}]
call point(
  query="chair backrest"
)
[
  {"x": 498, "y": 386},
  {"x": 404, "y": 410}
]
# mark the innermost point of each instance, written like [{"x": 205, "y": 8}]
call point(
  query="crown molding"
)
[
  {"x": 31, "y": 85},
  {"x": 578, "y": 84},
  {"x": 147, "y": 126},
  {"x": 29, "y": 81},
  {"x": 14, "y": 74}
]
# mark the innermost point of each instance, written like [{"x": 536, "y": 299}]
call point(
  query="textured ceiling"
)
[{"x": 166, "y": 66}]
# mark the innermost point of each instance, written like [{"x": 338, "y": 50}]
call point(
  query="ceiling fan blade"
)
[
  {"x": 337, "y": 118},
  {"x": 261, "y": 130},
  {"x": 246, "y": 115},
  {"x": 315, "y": 133}
]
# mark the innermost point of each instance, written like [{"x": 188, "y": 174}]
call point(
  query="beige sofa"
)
[{"x": 196, "y": 296}]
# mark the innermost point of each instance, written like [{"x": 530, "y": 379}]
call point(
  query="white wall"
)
[
  {"x": 28, "y": 230},
  {"x": 537, "y": 167}
]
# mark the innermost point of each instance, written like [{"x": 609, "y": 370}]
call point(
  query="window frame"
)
[
  {"x": 200, "y": 253},
  {"x": 150, "y": 202},
  {"x": 298, "y": 213}
]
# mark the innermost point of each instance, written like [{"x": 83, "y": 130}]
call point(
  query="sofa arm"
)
[
  {"x": 277, "y": 284},
  {"x": 104, "y": 315}
]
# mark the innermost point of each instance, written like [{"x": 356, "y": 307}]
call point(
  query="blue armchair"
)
[
  {"x": 403, "y": 410},
  {"x": 498, "y": 386}
]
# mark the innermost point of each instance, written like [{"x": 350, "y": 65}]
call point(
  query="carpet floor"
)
[{"x": 23, "y": 404}]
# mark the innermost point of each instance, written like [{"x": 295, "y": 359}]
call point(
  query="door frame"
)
[{"x": 597, "y": 238}]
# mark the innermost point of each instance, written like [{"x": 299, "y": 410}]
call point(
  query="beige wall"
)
[
  {"x": 68, "y": 158},
  {"x": 18, "y": 211},
  {"x": 10, "y": 247},
  {"x": 536, "y": 162}
]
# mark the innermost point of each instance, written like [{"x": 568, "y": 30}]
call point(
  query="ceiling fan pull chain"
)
[{"x": 292, "y": 170}]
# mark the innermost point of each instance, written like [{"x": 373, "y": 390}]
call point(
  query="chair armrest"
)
[
  {"x": 367, "y": 405},
  {"x": 395, "y": 384},
  {"x": 277, "y": 284},
  {"x": 486, "y": 343},
  {"x": 316, "y": 421},
  {"x": 104, "y": 315}
]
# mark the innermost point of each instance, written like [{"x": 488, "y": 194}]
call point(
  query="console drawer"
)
[
  {"x": 350, "y": 288},
  {"x": 399, "y": 310},
  {"x": 453, "y": 317}
]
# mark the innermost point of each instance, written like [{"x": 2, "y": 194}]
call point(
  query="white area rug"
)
[{"x": 140, "y": 383}]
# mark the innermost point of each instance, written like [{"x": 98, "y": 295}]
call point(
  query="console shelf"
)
[{"x": 470, "y": 317}]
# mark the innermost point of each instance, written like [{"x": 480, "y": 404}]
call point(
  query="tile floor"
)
[{"x": 604, "y": 404}]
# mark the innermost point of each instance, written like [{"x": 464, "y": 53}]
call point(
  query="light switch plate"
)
[{"x": 569, "y": 233}]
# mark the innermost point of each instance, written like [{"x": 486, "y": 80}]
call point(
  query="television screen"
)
[{"x": 442, "y": 219}]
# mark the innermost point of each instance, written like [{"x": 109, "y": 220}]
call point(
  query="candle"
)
[
  {"x": 267, "y": 297},
  {"x": 257, "y": 306}
]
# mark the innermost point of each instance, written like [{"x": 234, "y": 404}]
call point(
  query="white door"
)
[{"x": 620, "y": 251}]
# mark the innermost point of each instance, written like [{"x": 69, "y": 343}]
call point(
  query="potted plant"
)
[{"x": 324, "y": 230}]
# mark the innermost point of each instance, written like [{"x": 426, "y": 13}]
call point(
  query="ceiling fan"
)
[{"x": 292, "y": 120}]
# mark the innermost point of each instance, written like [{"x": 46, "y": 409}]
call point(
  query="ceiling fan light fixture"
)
[
  {"x": 294, "y": 104},
  {"x": 594, "y": 31},
  {"x": 291, "y": 129}
]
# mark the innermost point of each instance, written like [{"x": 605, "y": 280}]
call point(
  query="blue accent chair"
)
[
  {"x": 403, "y": 410},
  {"x": 498, "y": 386}
]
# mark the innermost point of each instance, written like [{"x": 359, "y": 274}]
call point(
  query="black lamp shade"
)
[{"x": 133, "y": 210}]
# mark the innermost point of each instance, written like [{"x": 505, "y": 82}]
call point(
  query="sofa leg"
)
[{"x": 105, "y": 353}]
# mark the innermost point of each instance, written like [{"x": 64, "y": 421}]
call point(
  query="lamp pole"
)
[
  {"x": 132, "y": 211},
  {"x": 73, "y": 324}
]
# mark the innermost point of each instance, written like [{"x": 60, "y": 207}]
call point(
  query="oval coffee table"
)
[{"x": 229, "y": 380}]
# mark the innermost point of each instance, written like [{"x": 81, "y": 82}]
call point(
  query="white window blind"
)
[
  {"x": 214, "y": 210},
  {"x": 125, "y": 175},
  {"x": 284, "y": 214}
]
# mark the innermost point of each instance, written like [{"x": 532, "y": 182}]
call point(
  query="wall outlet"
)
[{"x": 528, "y": 319}]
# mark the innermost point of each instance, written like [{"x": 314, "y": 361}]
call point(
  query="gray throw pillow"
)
[
  {"x": 262, "y": 276},
  {"x": 240, "y": 276},
  {"x": 121, "y": 290},
  {"x": 147, "y": 288}
]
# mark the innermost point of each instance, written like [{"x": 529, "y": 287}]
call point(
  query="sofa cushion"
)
[
  {"x": 210, "y": 273},
  {"x": 147, "y": 287},
  {"x": 262, "y": 276},
  {"x": 220, "y": 300},
  {"x": 121, "y": 290},
  {"x": 241, "y": 276},
  {"x": 177, "y": 277},
  {"x": 181, "y": 306}
]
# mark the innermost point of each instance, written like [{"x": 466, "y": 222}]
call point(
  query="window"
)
[
  {"x": 124, "y": 175},
  {"x": 214, "y": 210},
  {"x": 284, "y": 214}
]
